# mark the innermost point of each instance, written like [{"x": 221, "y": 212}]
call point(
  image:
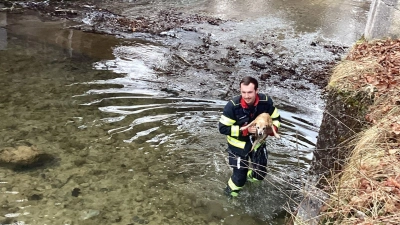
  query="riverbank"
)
[{"x": 367, "y": 189}]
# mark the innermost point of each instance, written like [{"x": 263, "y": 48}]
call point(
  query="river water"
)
[{"x": 131, "y": 146}]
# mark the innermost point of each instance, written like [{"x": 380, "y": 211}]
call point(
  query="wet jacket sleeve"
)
[
  {"x": 227, "y": 123},
  {"x": 275, "y": 116}
]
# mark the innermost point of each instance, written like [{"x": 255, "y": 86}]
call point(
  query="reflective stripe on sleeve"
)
[
  {"x": 235, "y": 142},
  {"x": 275, "y": 114},
  {"x": 235, "y": 131},
  {"x": 276, "y": 123},
  {"x": 226, "y": 121}
]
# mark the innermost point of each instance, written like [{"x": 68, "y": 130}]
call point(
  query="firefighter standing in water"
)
[{"x": 239, "y": 111}]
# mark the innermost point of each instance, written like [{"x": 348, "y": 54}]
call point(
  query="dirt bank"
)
[{"x": 367, "y": 189}]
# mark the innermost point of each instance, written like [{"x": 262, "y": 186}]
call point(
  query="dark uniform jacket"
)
[{"x": 237, "y": 114}]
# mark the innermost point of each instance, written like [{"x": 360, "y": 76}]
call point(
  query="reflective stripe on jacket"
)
[{"x": 236, "y": 114}]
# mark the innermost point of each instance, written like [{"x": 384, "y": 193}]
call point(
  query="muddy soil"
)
[{"x": 207, "y": 56}]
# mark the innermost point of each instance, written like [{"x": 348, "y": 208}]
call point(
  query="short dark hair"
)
[{"x": 249, "y": 80}]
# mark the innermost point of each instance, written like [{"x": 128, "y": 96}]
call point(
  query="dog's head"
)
[
  {"x": 261, "y": 128},
  {"x": 263, "y": 125}
]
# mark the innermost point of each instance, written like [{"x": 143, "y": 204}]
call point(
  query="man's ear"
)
[{"x": 257, "y": 91}]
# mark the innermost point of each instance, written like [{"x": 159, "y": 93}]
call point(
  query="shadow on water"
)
[{"x": 131, "y": 147}]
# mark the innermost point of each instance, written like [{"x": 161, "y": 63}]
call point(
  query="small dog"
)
[{"x": 263, "y": 123}]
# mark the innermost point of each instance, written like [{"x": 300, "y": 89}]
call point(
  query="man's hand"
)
[
  {"x": 248, "y": 130},
  {"x": 252, "y": 129}
]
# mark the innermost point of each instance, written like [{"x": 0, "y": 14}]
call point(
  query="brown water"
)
[{"x": 131, "y": 146}]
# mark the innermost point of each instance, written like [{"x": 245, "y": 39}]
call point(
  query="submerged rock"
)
[
  {"x": 22, "y": 156},
  {"x": 89, "y": 214}
]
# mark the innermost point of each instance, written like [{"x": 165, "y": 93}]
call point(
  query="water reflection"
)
[
  {"x": 342, "y": 21},
  {"x": 135, "y": 61}
]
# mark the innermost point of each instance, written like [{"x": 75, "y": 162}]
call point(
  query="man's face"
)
[{"x": 248, "y": 93}]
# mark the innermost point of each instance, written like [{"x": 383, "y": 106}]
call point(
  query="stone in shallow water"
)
[
  {"x": 76, "y": 192},
  {"x": 23, "y": 157},
  {"x": 89, "y": 214},
  {"x": 19, "y": 155}
]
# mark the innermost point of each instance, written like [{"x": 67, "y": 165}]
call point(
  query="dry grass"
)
[
  {"x": 367, "y": 191},
  {"x": 351, "y": 71}
]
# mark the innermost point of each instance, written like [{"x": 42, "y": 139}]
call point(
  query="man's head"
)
[{"x": 249, "y": 90}]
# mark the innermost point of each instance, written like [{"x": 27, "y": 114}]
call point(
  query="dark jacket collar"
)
[{"x": 244, "y": 104}]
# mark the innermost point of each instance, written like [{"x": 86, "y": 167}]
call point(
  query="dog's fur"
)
[{"x": 263, "y": 123}]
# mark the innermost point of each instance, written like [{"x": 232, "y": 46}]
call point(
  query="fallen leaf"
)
[
  {"x": 392, "y": 182},
  {"x": 393, "y": 151},
  {"x": 396, "y": 128}
]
